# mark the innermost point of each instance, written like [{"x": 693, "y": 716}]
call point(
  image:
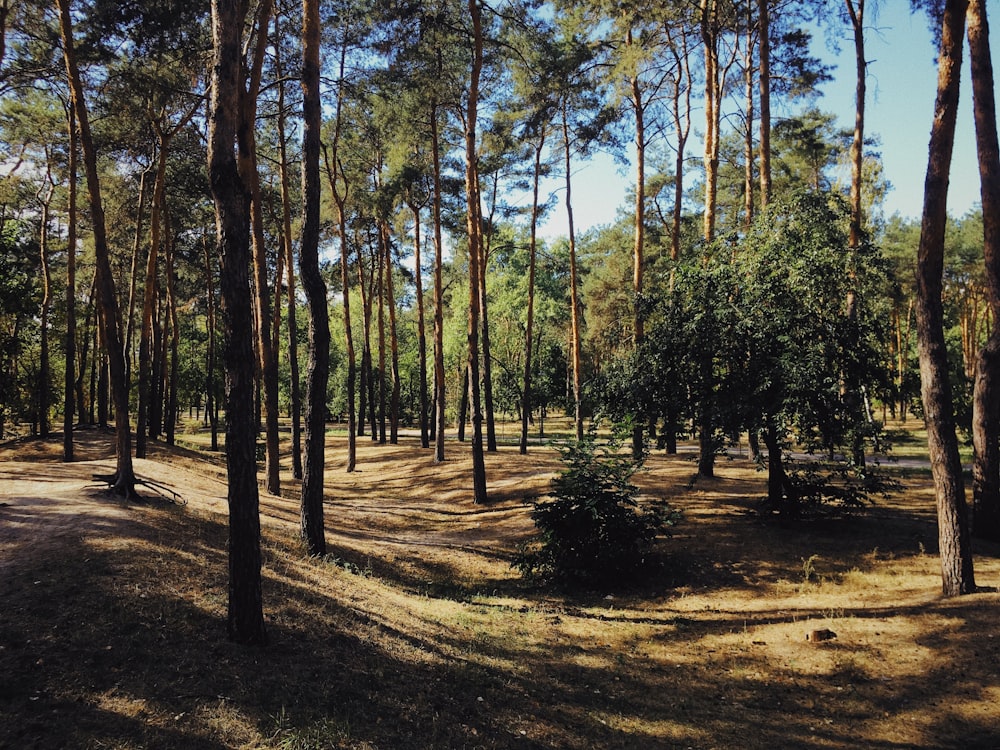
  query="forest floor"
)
[{"x": 414, "y": 632}]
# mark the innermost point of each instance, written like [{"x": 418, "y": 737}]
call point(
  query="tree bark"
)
[
  {"x": 953, "y": 517},
  {"x": 134, "y": 274},
  {"x": 170, "y": 416},
  {"x": 340, "y": 200},
  {"x": 43, "y": 391},
  {"x": 713, "y": 91},
  {"x": 475, "y": 233},
  {"x": 145, "y": 362},
  {"x": 530, "y": 322},
  {"x": 247, "y": 163},
  {"x": 439, "y": 374},
  {"x": 986, "y": 397},
  {"x": 245, "y": 620},
  {"x": 286, "y": 233},
  {"x": 381, "y": 253},
  {"x": 852, "y": 389},
  {"x": 210, "y": 326},
  {"x": 421, "y": 326},
  {"x": 393, "y": 337},
  {"x": 748, "y": 156},
  {"x": 319, "y": 324},
  {"x": 69, "y": 382},
  {"x": 487, "y": 358},
  {"x": 764, "y": 55},
  {"x": 573, "y": 300},
  {"x": 124, "y": 480},
  {"x": 638, "y": 252}
]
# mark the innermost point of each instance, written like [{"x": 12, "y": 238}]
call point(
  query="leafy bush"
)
[
  {"x": 824, "y": 489},
  {"x": 593, "y": 529}
]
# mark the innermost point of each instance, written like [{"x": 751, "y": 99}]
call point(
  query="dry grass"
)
[{"x": 415, "y": 633}]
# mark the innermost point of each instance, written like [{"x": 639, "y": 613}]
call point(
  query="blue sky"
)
[{"x": 902, "y": 78}]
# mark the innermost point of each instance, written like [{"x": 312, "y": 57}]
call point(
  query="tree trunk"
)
[
  {"x": 421, "y": 326},
  {"x": 210, "y": 409},
  {"x": 953, "y": 517},
  {"x": 267, "y": 359},
  {"x": 986, "y": 399},
  {"x": 463, "y": 403},
  {"x": 134, "y": 274},
  {"x": 748, "y": 155},
  {"x": 340, "y": 200},
  {"x": 638, "y": 251},
  {"x": 170, "y": 421},
  {"x": 319, "y": 324},
  {"x": 69, "y": 382},
  {"x": 852, "y": 388},
  {"x": 439, "y": 393},
  {"x": 764, "y": 55},
  {"x": 530, "y": 322},
  {"x": 44, "y": 392},
  {"x": 573, "y": 301},
  {"x": 713, "y": 91},
  {"x": 487, "y": 358},
  {"x": 474, "y": 228},
  {"x": 145, "y": 362},
  {"x": 393, "y": 337},
  {"x": 367, "y": 400},
  {"x": 245, "y": 621},
  {"x": 124, "y": 481},
  {"x": 286, "y": 233},
  {"x": 381, "y": 253},
  {"x": 714, "y": 81}
]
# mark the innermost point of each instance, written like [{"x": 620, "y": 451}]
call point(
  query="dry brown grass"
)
[{"x": 416, "y": 633}]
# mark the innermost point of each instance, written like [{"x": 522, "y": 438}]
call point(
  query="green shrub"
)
[{"x": 593, "y": 529}]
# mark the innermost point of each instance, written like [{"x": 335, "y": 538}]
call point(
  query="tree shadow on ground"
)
[{"x": 114, "y": 637}]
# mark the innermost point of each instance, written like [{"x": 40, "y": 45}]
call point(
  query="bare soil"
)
[{"x": 415, "y": 632}]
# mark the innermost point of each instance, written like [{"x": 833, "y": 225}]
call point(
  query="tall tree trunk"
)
[
  {"x": 210, "y": 326},
  {"x": 381, "y": 253},
  {"x": 124, "y": 481},
  {"x": 714, "y": 84},
  {"x": 491, "y": 432},
  {"x": 69, "y": 382},
  {"x": 44, "y": 391},
  {"x": 85, "y": 408},
  {"x": 421, "y": 325},
  {"x": 171, "y": 410},
  {"x": 530, "y": 322},
  {"x": 748, "y": 155},
  {"x": 319, "y": 323},
  {"x": 713, "y": 91},
  {"x": 953, "y": 515},
  {"x": 475, "y": 231},
  {"x": 340, "y": 200},
  {"x": 134, "y": 274},
  {"x": 393, "y": 337},
  {"x": 638, "y": 252},
  {"x": 245, "y": 621},
  {"x": 852, "y": 388},
  {"x": 764, "y": 53},
  {"x": 145, "y": 362},
  {"x": 439, "y": 374},
  {"x": 267, "y": 359},
  {"x": 573, "y": 300},
  {"x": 463, "y": 403},
  {"x": 286, "y": 233},
  {"x": 986, "y": 397},
  {"x": 367, "y": 289}
]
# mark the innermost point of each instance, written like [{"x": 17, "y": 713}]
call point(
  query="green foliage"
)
[
  {"x": 593, "y": 530},
  {"x": 823, "y": 489}
]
